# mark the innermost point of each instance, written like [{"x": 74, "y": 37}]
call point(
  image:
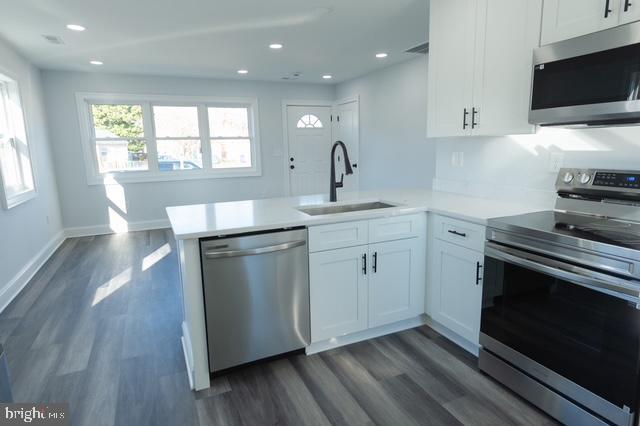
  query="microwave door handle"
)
[{"x": 580, "y": 276}]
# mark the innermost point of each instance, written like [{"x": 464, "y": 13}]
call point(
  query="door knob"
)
[
  {"x": 291, "y": 159},
  {"x": 292, "y": 167},
  {"x": 354, "y": 165}
]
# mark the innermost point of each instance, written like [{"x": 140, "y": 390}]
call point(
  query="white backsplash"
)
[{"x": 523, "y": 168}]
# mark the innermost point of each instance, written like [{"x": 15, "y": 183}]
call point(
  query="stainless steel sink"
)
[{"x": 344, "y": 208}]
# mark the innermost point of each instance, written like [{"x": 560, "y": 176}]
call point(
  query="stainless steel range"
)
[{"x": 561, "y": 300}]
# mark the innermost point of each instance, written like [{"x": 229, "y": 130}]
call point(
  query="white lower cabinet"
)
[
  {"x": 396, "y": 283},
  {"x": 455, "y": 288},
  {"x": 356, "y": 288},
  {"x": 338, "y": 291}
]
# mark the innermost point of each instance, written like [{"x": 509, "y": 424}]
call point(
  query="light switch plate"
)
[{"x": 457, "y": 159}]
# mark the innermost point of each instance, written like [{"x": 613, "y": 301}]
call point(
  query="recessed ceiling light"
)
[
  {"x": 94, "y": 62},
  {"x": 381, "y": 55},
  {"x": 243, "y": 72},
  {"x": 275, "y": 46},
  {"x": 76, "y": 27},
  {"x": 327, "y": 76}
]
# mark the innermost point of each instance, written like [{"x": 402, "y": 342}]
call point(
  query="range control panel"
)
[
  {"x": 617, "y": 179},
  {"x": 591, "y": 180}
]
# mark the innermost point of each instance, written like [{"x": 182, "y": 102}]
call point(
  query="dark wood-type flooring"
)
[{"x": 99, "y": 327}]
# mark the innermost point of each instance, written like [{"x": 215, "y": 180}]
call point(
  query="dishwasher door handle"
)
[{"x": 253, "y": 251}]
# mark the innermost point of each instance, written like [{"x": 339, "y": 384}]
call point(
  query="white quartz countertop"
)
[{"x": 236, "y": 217}]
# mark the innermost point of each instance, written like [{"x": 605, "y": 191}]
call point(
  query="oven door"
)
[{"x": 572, "y": 328}]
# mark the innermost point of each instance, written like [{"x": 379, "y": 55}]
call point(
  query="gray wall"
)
[
  {"x": 27, "y": 229},
  {"x": 87, "y": 206},
  {"x": 394, "y": 151}
]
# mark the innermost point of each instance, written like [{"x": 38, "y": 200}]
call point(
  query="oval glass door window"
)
[{"x": 309, "y": 121}]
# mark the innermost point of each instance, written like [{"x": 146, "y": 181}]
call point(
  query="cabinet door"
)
[
  {"x": 450, "y": 70},
  {"x": 565, "y": 19},
  {"x": 508, "y": 31},
  {"x": 455, "y": 292},
  {"x": 397, "y": 281},
  {"x": 629, "y": 11},
  {"x": 338, "y": 292}
]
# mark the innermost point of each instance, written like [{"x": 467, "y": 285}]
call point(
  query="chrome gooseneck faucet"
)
[{"x": 347, "y": 169}]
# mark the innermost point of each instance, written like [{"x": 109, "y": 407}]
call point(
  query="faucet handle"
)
[{"x": 341, "y": 183}]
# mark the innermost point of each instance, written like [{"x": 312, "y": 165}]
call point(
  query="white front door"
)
[
  {"x": 309, "y": 136},
  {"x": 346, "y": 129}
]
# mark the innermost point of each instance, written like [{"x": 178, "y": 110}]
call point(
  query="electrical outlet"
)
[
  {"x": 556, "y": 161},
  {"x": 457, "y": 159}
]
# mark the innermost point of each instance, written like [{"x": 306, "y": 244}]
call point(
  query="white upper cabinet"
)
[
  {"x": 565, "y": 19},
  {"x": 508, "y": 31},
  {"x": 450, "y": 69},
  {"x": 629, "y": 11},
  {"x": 479, "y": 73}
]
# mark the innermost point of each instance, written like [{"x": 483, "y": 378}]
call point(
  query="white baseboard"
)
[
  {"x": 86, "y": 231},
  {"x": 371, "y": 333},
  {"x": 22, "y": 278},
  {"x": 454, "y": 337}
]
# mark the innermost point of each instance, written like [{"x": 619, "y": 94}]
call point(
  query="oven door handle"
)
[{"x": 617, "y": 287}]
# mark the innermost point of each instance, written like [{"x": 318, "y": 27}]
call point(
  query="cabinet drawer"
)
[
  {"x": 459, "y": 232},
  {"x": 338, "y": 235},
  {"x": 396, "y": 228}
]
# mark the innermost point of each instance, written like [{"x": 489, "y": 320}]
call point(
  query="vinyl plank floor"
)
[{"x": 99, "y": 327}]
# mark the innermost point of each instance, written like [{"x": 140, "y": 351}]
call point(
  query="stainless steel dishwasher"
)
[{"x": 256, "y": 292}]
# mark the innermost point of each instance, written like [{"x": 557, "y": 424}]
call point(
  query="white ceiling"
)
[{"x": 215, "y": 38}]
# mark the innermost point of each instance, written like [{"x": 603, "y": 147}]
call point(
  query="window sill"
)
[
  {"x": 147, "y": 177},
  {"x": 18, "y": 199}
]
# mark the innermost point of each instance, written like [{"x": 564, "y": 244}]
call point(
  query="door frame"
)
[
  {"x": 351, "y": 99},
  {"x": 286, "y": 103}
]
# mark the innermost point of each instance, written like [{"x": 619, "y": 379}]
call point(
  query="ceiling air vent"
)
[
  {"x": 53, "y": 39},
  {"x": 423, "y": 48},
  {"x": 293, "y": 76}
]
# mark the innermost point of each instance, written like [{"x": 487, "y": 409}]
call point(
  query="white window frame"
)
[
  {"x": 84, "y": 100},
  {"x": 17, "y": 125}
]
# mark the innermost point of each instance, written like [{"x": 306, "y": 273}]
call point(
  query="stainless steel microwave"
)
[{"x": 593, "y": 80}]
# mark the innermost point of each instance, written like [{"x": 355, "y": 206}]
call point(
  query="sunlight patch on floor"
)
[
  {"x": 111, "y": 286},
  {"x": 155, "y": 257}
]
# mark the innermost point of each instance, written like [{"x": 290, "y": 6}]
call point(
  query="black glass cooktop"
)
[{"x": 608, "y": 231}]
